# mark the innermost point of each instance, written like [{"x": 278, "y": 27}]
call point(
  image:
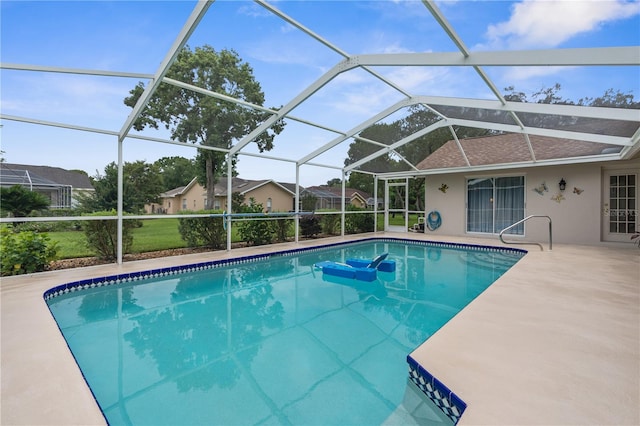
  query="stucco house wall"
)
[
  {"x": 192, "y": 199},
  {"x": 281, "y": 200},
  {"x": 193, "y": 196},
  {"x": 577, "y": 218}
]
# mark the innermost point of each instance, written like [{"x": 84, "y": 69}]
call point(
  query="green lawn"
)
[
  {"x": 398, "y": 220},
  {"x": 155, "y": 234}
]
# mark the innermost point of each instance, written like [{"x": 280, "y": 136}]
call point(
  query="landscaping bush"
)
[
  {"x": 310, "y": 226},
  {"x": 356, "y": 223},
  {"x": 330, "y": 223},
  {"x": 203, "y": 231},
  {"x": 256, "y": 232},
  {"x": 282, "y": 227},
  {"x": 102, "y": 235},
  {"x": 25, "y": 252}
]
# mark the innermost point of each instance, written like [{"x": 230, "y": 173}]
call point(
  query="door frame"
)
[{"x": 608, "y": 212}]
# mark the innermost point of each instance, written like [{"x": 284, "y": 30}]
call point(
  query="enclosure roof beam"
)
[
  {"x": 624, "y": 114},
  {"x": 57, "y": 124},
  {"x": 451, "y": 32},
  {"x": 502, "y": 166},
  {"x": 341, "y": 67},
  {"x": 244, "y": 103},
  {"x": 629, "y": 152},
  {"x": 189, "y": 27},
  {"x": 401, "y": 142},
  {"x": 78, "y": 71},
  {"x": 328, "y": 44},
  {"x": 587, "y": 56},
  {"x": 552, "y": 133},
  {"x": 350, "y": 133}
]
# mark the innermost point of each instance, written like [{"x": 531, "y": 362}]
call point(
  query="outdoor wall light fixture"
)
[{"x": 562, "y": 184}]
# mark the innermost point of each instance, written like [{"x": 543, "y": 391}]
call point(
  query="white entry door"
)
[{"x": 620, "y": 208}]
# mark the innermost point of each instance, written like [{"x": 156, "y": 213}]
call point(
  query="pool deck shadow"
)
[{"x": 555, "y": 341}]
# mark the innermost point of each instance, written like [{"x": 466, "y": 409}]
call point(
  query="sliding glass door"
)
[{"x": 495, "y": 203}]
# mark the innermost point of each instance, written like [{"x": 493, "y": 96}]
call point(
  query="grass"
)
[
  {"x": 160, "y": 234},
  {"x": 71, "y": 244},
  {"x": 154, "y": 235},
  {"x": 398, "y": 220},
  {"x": 157, "y": 234}
]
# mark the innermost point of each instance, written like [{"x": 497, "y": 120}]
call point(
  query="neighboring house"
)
[
  {"x": 599, "y": 201},
  {"x": 330, "y": 198},
  {"x": 60, "y": 186},
  {"x": 274, "y": 196}
]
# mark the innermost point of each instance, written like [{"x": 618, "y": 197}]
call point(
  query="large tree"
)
[
  {"x": 176, "y": 171},
  {"x": 142, "y": 185},
  {"x": 193, "y": 117}
]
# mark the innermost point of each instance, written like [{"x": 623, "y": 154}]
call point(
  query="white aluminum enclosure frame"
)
[{"x": 464, "y": 57}]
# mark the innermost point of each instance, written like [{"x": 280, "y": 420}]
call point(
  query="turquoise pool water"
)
[{"x": 271, "y": 341}]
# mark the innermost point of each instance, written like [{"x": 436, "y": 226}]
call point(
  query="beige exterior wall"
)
[
  {"x": 357, "y": 201},
  {"x": 577, "y": 219},
  {"x": 194, "y": 198},
  {"x": 281, "y": 200}
]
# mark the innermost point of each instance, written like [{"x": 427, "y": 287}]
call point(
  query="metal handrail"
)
[{"x": 524, "y": 220}]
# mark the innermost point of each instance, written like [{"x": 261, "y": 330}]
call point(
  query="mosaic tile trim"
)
[
  {"x": 436, "y": 391},
  {"x": 163, "y": 272},
  {"x": 142, "y": 275}
]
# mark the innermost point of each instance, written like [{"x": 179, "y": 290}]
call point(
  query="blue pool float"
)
[{"x": 358, "y": 269}]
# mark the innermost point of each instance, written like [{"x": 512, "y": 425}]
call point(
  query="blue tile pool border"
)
[
  {"x": 447, "y": 401},
  {"x": 174, "y": 270}
]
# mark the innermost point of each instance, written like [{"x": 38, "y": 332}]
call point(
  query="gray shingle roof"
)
[
  {"x": 46, "y": 175},
  {"x": 509, "y": 148}
]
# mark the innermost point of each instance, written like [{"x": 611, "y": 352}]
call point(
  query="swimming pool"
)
[{"x": 268, "y": 339}]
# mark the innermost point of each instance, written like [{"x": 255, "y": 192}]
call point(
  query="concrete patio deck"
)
[{"x": 555, "y": 341}]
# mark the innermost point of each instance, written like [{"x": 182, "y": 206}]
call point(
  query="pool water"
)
[{"x": 272, "y": 341}]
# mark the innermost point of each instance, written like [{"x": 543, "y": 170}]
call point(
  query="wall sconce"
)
[{"x": 562, "y": 184}]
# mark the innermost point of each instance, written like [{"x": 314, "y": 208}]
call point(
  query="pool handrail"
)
[{"x": 525, "y": 242}]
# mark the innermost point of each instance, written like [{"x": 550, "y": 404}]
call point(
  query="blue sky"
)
[{"x": 134, "y": 37}]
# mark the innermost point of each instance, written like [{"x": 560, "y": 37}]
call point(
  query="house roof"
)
[
  {"x": 510, "y": 148},
  {"x": 335, "y": 192},
  {"x": 244, "y": 186},
  {"x": 237, "y": 185},
  {"x": 20, "y": 174}
]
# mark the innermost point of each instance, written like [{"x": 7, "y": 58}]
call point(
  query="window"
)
[
  {"x": 268, "y": 205},
  {"x": 216, "y": 204},
  {"x": 184, "y": 204},
  {"x": 495, "y": 203}
]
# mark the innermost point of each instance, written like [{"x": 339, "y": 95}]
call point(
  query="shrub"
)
[
  {"x": 256, "y": 232},
  {"x": 310, "y": 226},
  {"x": 21, "y": 202},
  {"x": 356, "y": 223},
  {"x": 281, "y": 228},
  {"x": 330, "y": 223},
  {"x": 203, "y": 231},
  {"x": 102, "y": 235},
  {"x": 25, "y": 252}
]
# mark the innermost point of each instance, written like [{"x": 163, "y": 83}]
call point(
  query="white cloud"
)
[
  {"x": 543, "y": 24},
  {"x": 253, "y": 10}
]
